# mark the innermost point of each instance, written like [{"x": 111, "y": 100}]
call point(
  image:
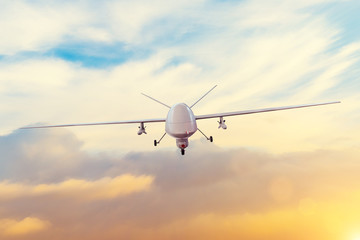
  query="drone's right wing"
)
[{"x": 99, "y": 123}]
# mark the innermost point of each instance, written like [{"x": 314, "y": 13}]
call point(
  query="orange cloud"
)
[
  {"x": 29, "y": 225},
  {"x": 105, "y": 188},
  {"x": 309, "y": 219},
  {"x": 210, "y": 194},
  {"x": 235, "y": 194}
]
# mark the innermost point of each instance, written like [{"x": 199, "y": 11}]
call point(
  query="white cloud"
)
[
  {"x": 40, "y": 26},
  {"x": 32, "y": 76},
  {"x": 36, "y": 26}
]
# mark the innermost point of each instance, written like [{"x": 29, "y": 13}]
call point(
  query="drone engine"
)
[
  {"x": 141, "y": 129},
  {"x": 222, "y": 123}
]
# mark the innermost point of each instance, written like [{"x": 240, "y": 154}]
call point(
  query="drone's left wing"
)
[
  {"x": 227, "y": 114},
  {"x": 100, "y": 123}
]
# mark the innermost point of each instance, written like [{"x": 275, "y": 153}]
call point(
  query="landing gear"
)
[
  {"x": 182, "y": 151},
  {"x": 157, "y": 142},
  {"x": 207, "y": 138}
]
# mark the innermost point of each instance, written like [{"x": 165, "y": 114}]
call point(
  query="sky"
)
[{"x": 281, "y": 175}]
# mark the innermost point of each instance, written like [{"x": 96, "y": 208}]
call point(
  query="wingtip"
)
[
  {"x": 23, "y": 128},
  {"x": 334, "y": 102}
]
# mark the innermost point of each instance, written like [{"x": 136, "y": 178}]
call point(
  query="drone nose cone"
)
[{"x": 180, "y": 113}]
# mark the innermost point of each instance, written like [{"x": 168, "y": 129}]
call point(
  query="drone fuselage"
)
[{"x": 181, "y": 124}]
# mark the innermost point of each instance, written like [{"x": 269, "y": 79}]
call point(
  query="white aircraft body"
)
[{"x": 180, "y": 122}]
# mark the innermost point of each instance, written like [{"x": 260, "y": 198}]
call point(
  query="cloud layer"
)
[
  {"x": 105, "y": 188},
  {"x": 203, "y": 194},
  {"x": 23, "y": 227}
]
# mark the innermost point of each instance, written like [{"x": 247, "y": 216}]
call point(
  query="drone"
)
[{"x": 181, "y": 122}]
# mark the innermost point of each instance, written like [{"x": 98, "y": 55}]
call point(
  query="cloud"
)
[
  {"x": 40, "y": 26},
  {"x": 83, "y": 190},
  {"x": 24, "y": 227},
  {"x": 37, "y": 26},
  {"x": 25, "y": 153},
  {"x": 54, "y": 160},
  {"x": 138, "y": 22},
  {"x": 209, "y": 188}
]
